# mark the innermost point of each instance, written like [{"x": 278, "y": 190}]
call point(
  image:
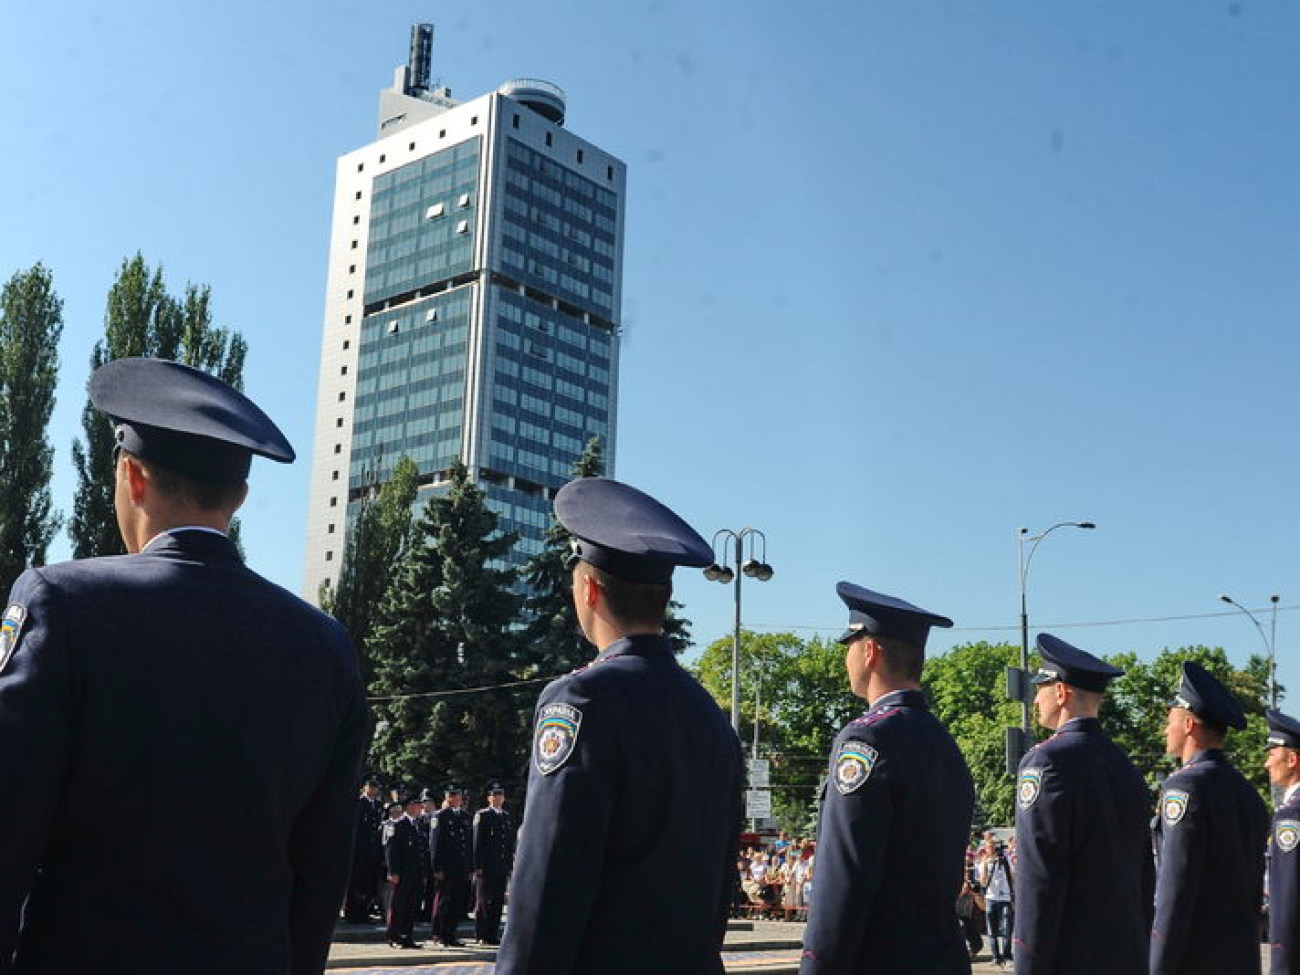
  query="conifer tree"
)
[
  {"x": 141, "y": 319},
  {"x": 31, "y": 324},
  {"x": 446, "y": 625},
  {"x": 553, "y": 642},
  {"x": 375, "y": 542}
]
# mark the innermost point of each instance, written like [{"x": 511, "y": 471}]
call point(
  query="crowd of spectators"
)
[{"x": 774, "y": 879}]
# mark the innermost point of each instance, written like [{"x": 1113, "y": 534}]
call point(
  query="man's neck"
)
[{"x": 878, "y": 686}]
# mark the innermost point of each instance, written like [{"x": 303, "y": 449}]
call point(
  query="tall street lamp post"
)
[
  {"x": 1270, "y": 642},
  {"x": 1021, "y": 685},
  {"x": 733, "y": 544}
]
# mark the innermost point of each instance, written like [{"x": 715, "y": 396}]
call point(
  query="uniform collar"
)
[
  {"x": 909, "y": 698},
  {"x": 641, "y": 645},
  {"x": 1080, "y": 725},
  {"x": 1290, "y": 793},
  {"x": 193, "y": 542},
  {"x": 1206, "y": 755},
  {"x": 172, "y": 532}
]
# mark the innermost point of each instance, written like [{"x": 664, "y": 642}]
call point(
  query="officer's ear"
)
[
  {"x": 1292, "y": 758},
  {"x": 588, "y": 589},
  {"x": 136, "y": 477}
]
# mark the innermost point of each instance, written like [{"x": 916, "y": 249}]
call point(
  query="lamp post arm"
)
[{"x": 1268, "y": 645}]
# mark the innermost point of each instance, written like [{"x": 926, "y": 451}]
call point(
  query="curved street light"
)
[
  {"x": 1023, "y": 536},
  {"x": 733, "y": 542},
  {"x": 1270, "y": 643}
]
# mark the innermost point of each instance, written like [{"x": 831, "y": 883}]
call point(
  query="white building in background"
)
[{"x": 472, "y": 305}]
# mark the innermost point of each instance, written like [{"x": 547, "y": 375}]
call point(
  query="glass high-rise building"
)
[{"x": 472, "y": 307}]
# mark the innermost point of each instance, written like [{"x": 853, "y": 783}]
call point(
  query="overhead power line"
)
[
  {"x": 466, "y": 690},
  {"x": 1015, "y": 627}
]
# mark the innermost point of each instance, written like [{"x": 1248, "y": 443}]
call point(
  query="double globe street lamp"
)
[{"x": 733, "y": 549}]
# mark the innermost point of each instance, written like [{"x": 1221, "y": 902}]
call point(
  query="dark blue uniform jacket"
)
[
  {"x": 627, "y": 852},
  {"x": 450, "y": 842},
  {"x": 1212, "y": 827},
  {"x": 494, "y": 842},
  {"x": 891, "y": 844},
  {"x": 1085, "y": 876},
  {"x": 180, "y": 744},
  {"x": 1284, "y": 889}
]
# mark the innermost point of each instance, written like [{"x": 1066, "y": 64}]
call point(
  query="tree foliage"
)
[
  {"x": 805, "y": 701},
  {"x": 552, "y": 639},
  {"x": 446, "y": 625},
  {"x": 376, "y": 541},
  {"x": 141, "y": 319},
  {"x": 31, "y": 324}
]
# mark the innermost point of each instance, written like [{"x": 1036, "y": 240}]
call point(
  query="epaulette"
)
[{"x": 870, "y": 718}]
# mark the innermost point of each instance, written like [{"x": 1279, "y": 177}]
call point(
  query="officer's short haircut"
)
[
  {"x": 193, "y": 491},
  {"x": 1089, "y": 698},
  {"x": 1219, "y": 731},
  {"x": 905, "y": 660},
  {"x": 633, "y": 603}
]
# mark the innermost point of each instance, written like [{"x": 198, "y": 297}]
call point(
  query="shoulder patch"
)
[
  {"x": 1029, "y": 788},
  {"x": 556, "y": 736},
  {"x": 1286, "y": 834},
  {"x": 11, "y": 628},
  {"x": 853, "y": 764},
  {"x": 1173, "y": 806}
]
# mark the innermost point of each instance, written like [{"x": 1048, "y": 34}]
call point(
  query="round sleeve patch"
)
[
  {"x": 556, "y": 736},
  {"x": 1286, "y": 834},
  {"x": 853, "y": 764},
  {"x": 11, "y": 627},
  {"x": 1173, "y": 807},
  {"x": 1029, "y": 788}
]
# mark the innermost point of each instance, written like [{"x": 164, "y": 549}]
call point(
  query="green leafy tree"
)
[
  {"x": 445, "y": 625},
  {"x": 141, "y": 319},
  {"x": 965, "y": 687},
  {"x": 376, "y": 541},
  {"x": 803, "y": 700},
  {"x": 1135, "y": 710},
  {"x": 31, "y": 324}
]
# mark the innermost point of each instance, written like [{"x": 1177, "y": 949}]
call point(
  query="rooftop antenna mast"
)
[{"x": 417, "y": 76}]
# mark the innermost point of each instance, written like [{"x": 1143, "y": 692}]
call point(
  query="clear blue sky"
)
[{"x": 900, "y": 278}]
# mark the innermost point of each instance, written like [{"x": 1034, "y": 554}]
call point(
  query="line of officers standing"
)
[
  {"x": 1101, "y": 887},
  {"x": 418, "y": 859}
]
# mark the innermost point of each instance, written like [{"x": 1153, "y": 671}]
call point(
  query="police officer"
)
[
  {"x": 178, "y": 666},
  {"x": 404, "y": 856},
  {"x": 628, "y": 844},
  {"x": 450, "y": 841},
  {"x": 367, "y": 854},
  {"x": 430, "y": 802},
  {"x": 895, "y": 811},
  {"x": 1086, "y": 877},
  {"x": 1212, "y": 828},
  {"x": 494, "y": 855},
  {"x": 1283, "y": 764}
]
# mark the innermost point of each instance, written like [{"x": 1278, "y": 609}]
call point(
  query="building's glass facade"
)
[{"x": 485, "y": 324}]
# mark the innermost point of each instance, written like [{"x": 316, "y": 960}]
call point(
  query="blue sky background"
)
[{"x": 900, "y": 278}]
